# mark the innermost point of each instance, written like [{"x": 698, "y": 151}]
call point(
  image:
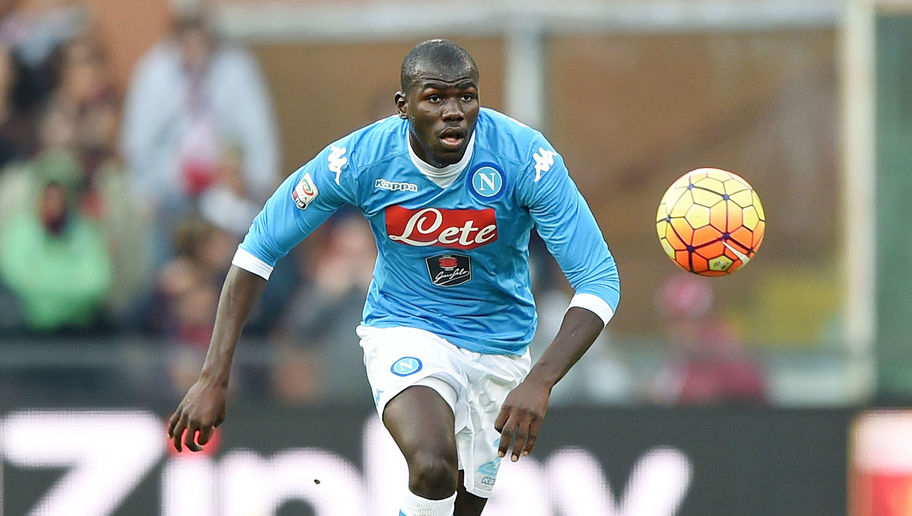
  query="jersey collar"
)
[{"x": 444, "y": 176}]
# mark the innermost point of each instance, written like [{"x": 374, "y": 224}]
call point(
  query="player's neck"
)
[{"x": 442, "y": 176}]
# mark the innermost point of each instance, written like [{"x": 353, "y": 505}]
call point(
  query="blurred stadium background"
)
[{"x": 781, "y": 390}]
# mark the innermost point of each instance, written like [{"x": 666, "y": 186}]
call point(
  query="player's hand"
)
[
  {"x": 194, "y": 421},
  {"x": 522, "y": 414}
]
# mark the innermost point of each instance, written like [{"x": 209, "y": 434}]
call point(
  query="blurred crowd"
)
[
  {"x": 65, "y": 216},
  {"x": 120, "y": 212},
  {"x": 121, "y": 207}
]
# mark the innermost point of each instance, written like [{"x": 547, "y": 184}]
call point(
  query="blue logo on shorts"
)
[
  {"x": 490, "y": 468},
  {"x": 406, "y": 366}
]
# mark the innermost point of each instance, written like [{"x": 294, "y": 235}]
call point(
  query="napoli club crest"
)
[
  {"x": 406, "y": 366},
  {"x": 449, "y": 270},
  {"x": 486, "y": 182}
]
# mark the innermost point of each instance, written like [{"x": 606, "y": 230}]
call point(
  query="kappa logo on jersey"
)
[
  {"x": 336, "y": 160},
  {"x": 457, "y": 229},
  {"x": 449, "y": 270},
  {"x": 383, "y": 184},
  {"x": 304, "y": 192},
  {"x": 406, "y": 366},
  {"x": 486, "y": 182},
  {"x": 544, "y": 159}
]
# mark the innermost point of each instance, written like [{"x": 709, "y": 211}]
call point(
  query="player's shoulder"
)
[
  {"x": 510, "y": 138},
  {"x": 374, "y": 143}
]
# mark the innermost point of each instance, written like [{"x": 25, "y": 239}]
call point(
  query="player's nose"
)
[{"x": 452, "y": 110}]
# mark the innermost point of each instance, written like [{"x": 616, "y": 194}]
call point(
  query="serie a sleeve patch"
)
[{"x": 304, "y": 192}]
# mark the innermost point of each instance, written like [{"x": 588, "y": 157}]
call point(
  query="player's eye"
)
[
  {"x": 468, "y": 97},
  {"x": 434, "y": 98}
]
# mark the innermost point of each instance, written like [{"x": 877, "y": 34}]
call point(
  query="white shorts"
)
[{"x": 473, "y": 384}]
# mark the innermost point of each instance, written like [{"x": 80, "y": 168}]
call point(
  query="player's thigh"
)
[
  {"x": 398, "y": 358},
  {"x": 421, "y": 421}
]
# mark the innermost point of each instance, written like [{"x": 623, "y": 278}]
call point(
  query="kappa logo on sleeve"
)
[
  {"x": 337, "y": 160},
  {"x": 304, "y": 192},
  {"x": 544, "y": 159}
]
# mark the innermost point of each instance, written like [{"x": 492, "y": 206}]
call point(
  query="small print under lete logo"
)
[{"x": 449, "y": 270}]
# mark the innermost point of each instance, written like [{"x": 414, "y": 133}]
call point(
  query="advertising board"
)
[{"x": 339, "y": 461}]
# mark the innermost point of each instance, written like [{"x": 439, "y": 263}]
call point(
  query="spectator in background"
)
[
  {"x": 17, "y": 138},
  {"x": 56, "y": 132},
  {"x": 187, "y": 286},
  {"x": 87, "y": 92},
  {"x": 34, "y": 31},
  {"x": 78, "y": 127},
  {"x": 708, "y": 364},
  {"x": 225, "y": 203},
  {"x": 88, "y": 97},
  {"x": 191, "y": 98},
  {"x": 54, "y": 260},
  {"x": 185, "y": 295}
]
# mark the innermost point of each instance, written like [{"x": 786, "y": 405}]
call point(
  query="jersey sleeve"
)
[
  {"x": 302, "y": 202},
  {"x": 566, "y": 224}
]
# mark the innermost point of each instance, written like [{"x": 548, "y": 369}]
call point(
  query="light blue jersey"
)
[{"x": 452, "y": 260}]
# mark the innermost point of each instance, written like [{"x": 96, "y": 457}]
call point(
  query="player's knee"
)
[{"x": 433, "y": 475}]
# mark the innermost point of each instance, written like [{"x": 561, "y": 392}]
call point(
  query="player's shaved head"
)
[{"x": 440, "y": 57}]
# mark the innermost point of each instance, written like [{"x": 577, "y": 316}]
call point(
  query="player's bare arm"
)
[
  {"x": 524, "y": 409},
  {"x": 203, "y": 407}
]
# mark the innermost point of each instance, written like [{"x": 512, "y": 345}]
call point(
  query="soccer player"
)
[{"x": 451, "y": 191}]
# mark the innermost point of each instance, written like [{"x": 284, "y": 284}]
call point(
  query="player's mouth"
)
[{"x": 452, "y": 138}]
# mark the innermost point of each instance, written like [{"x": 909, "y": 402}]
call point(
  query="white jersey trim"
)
[
  {"x": 251, "y": 263},
  {"x": 594, "y": 304}
]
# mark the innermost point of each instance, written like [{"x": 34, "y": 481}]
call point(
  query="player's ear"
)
[{"x": 401, "y": 104}]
